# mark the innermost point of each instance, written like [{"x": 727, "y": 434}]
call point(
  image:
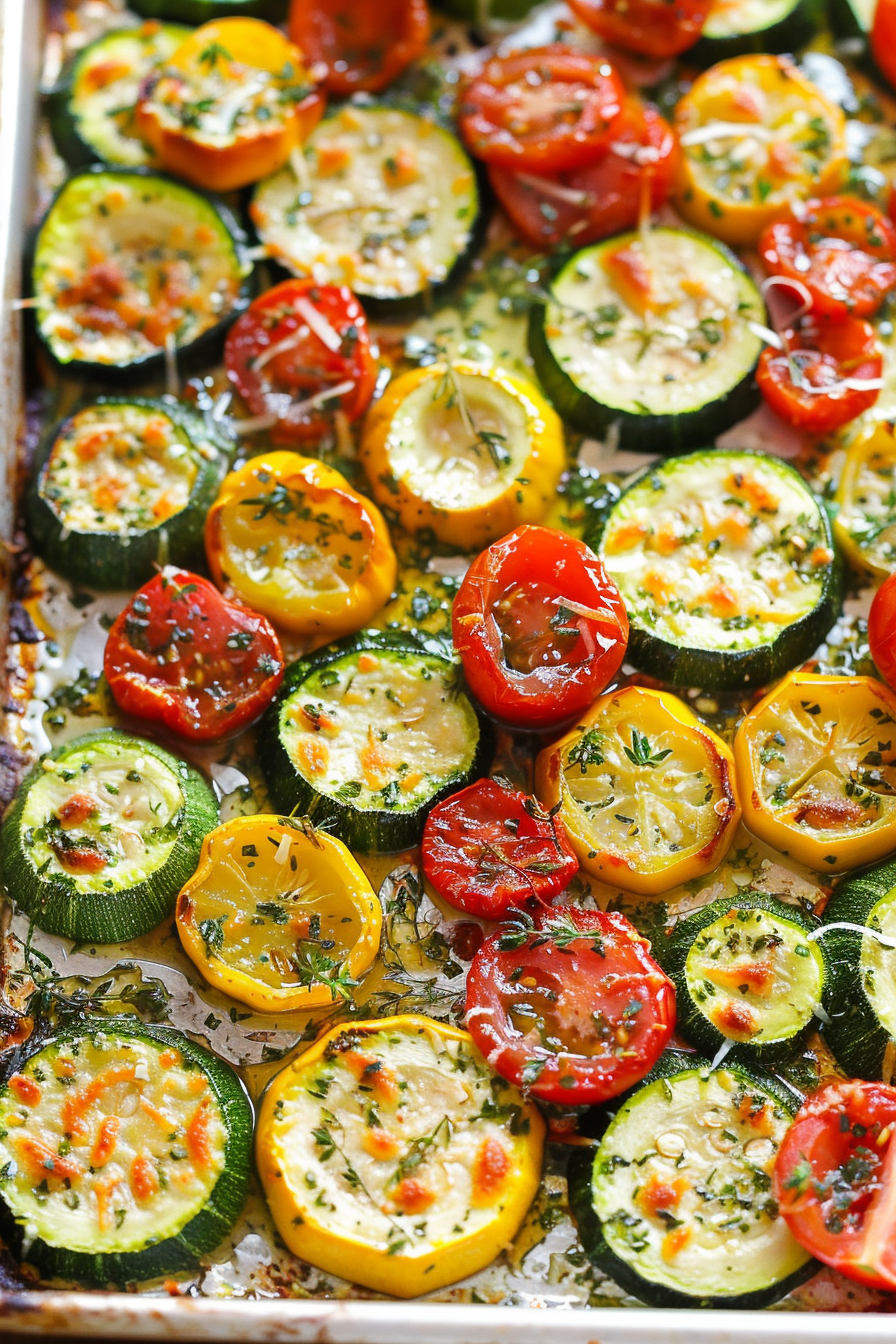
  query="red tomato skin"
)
[
  {"x": 364, "y": 46},
  {"x": 882, "y": 630},
  {"x": 584, "y": 983},
  {"x": 841, "y": 349},
  {"x": 491, "y": 108},
  {"x": 808, "y": 246},
  {"x": 544, "y": 697},
  {"x": 883, "y": 38},
  {"x": 864, "y": 1250},
  {"x": 148, "y": 684},
  {"x": 270, "y": 319},
  {"x": 470, "y": 827},
  {"x": 615, "y": 186},
  {"x": 653, "y": 28}
]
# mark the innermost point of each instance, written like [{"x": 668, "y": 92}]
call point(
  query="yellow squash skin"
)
[
  {"x": 306, "y": 1227},
  {"x": 327, "y": 560},
  {"x": 867, "y": 483},
  {"x": 508, "y": 496},
  {"x": 217, "y": 59},
  {"x": 247, "y": 868},
  {"x": 648, "y": 794},
  {"x": 807, "y": 759},
  {"x": 732, "y": 185}
]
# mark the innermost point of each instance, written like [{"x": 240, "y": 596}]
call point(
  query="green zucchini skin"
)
[
  {"x": 201, "y": 1234},
  {"x": 78, "y": 149},
  {"x": 58, "y": 906},
  {"x": 198, "y": 353},
  {"x": 734, "y": 669},
  {"x": 580, "y": 1174},
  {"x": 202, "y": 11},
  {"x": 111, "y": 560},
  {"x": 692, "y": 1022},
  {"x": 504, "y": 10},
  {"x": 856, "y": 1036},
  {"x": 377, "y": 830},
  {"x": 787, "y": 34},
  {"x": 643, "y": 431},
  {"x": 851, "y": 18}
]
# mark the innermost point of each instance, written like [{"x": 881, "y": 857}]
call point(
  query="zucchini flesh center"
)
[
  {"x": 754, "y": 976},
  {"x": 457, "y": 461},
  {"x": 878, "y": 963},
  {"x": 106, "y": 85},
  {"x": 161, "y": 1122},
  {"x": 104, "y": 817},
  {"x": 397, "y": 730},
  {"x": 718, "y": 552},
  {"x": 118, "y": 469},
  {"x": 731, "y": 18},
  {"x": 682, "y": 1186}
]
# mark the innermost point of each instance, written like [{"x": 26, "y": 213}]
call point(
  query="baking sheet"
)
[{"x": 207, "y": 1306}]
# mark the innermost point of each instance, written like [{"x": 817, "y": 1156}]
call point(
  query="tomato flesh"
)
[
  {"x": 823, "y": 354},
  {"x": 184, "y": 655},
  {"x": 835, "y": 1179},
  {"x": 364, "y": 46},
  {"x": 282, "y": 367},
  {"x": 882, "y": 630},
  {"x": 653, "y": 28},
  {"x": 603, "y": 198},
  {"x": 841, "y": 249},
  {"x": 531, "y": 660},
  {"x": 547, "y": 110},
  {"x": 491, "y": 848},
  {"x": 576, "y": 1009}
]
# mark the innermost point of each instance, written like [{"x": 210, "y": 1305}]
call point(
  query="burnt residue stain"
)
[
  {"x": 22, "y": 629},
  {"x": 12, "y": 765}
]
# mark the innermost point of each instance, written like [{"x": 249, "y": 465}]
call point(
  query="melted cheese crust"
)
[
  {"x": 382, "y": 1142},
  {"x": 714, "y": 554},
  {"x": 118, "y": 469},
  {"x": 380, "y": 730},
  {"x": 754, "y": 976},
  {"x": 118, "y": 805},
  {"x": 689, "y": 346},
  {"x": 108, "y": 1143},
  {"x": 682, "y": 1186},
  {"x": 122, "y": 265},
  {"x": 220, "y": 100},
  {"x": 385, "y": 204}
]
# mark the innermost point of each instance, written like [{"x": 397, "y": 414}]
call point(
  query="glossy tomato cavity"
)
[{"x": 574, "y": 1009}]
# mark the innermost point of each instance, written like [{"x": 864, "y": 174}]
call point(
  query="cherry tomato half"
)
[
  {"x": 883, "y": 38},
  {"x": 841, "y": 249},
  {"x": 490, "y": 848},
  {"x": 364, "y": 45},
  {"x": 184, "y": 655},
  {"x": 835, "y": 1181},
  {"x": 539, "y": 627},
  {"x": 576, "y": 1009},
  {"x": 547, "y": 110},
  {"x": 300, "y": 352},
  {"x": 654, "y": 28},
  {"x": 815, "y": 383},
  {"x": 882, "y": 630},
  {"x": 603, "y": 198}
]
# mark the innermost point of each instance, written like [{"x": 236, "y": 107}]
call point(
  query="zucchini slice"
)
[
  {"x": 369, "y": 734},
  {"x": 738, "y": 27},
  {"x": 653, "y": 335},
  {"x": 726, "y": 564},
  {"x": 851, "y": 18},
  {"x": 861, "y": 996},
  {"x": 203, "y": 11},
  {"x": 124, "y": 1152},
  {"x": 675, "y": 1204},
  {"x": 745, "y": 972},
  {"x": 104, "y": 832},
  {"x": 127, "y": 261},
  {"x": 124, "y": 486},
  {"x": 484, "y": 12},
  {"x": 387, "y": 203},
  {"x": 92, "y": 109},
  {"x": 390, "y": 1152}
]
